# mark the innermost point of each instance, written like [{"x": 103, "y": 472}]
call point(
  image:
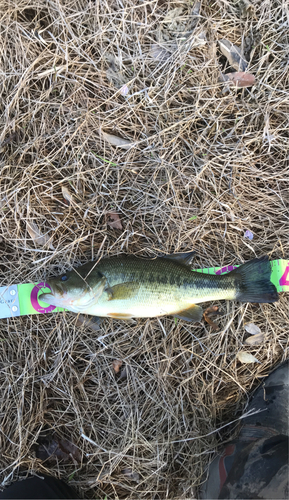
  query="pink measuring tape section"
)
[
  {"x": 226, "y": 269},
  {"x": 34, "y": 299},
  {"x": 283, "y": 280}
]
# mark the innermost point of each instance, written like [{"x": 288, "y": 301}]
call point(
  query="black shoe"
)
[{"x": 255, "y": 465}]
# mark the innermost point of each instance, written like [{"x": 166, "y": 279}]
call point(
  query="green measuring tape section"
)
[
  {"x": 279, "y": 274},
  {"x": 21, "y": 300}
]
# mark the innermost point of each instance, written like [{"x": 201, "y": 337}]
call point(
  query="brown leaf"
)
[
  {"x": 67, "y": 195},
  {"x": 117, "y": 141},
  {"x": 54, "y": 449},
  {"x": 117, "y": 364},
  {"x": 255, "y": 339},
  {"x": 233, "y": 54},
  {"x": 212, "y": 310},
  {"x": 114, "y": 220},
  {"x": 36, "y": 235},
  {"x": 239, "y": 79}
]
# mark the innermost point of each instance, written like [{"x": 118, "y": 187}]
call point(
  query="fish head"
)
[{"x": 75, "y": 291}]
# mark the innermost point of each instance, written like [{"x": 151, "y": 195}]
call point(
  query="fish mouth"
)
[
  {"x": 48, "y": 298},
  {"x": 52, "y": 297}
]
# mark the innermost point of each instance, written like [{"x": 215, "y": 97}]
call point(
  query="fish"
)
[{"x": 125, "y": 287}]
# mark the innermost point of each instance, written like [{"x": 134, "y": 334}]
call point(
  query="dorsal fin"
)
[{"x": 182, "y": 258}]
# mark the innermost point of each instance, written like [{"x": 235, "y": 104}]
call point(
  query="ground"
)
[{"x": 118, "y": 136}]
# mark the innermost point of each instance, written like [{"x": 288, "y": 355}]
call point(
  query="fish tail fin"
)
[{"x": 254, "y": 281}]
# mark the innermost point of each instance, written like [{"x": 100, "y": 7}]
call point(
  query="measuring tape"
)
[{"x": 20, "y": 300}]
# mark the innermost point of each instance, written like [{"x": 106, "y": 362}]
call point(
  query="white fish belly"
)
[
  {"x": 122, "y": 307},
  {"x": 148, "y": 305}
]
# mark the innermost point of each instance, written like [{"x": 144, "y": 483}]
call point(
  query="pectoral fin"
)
[
  {"x": 193, "y": 314},
  {"x": 124, "y": 291}
]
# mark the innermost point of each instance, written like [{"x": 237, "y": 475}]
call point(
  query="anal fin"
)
[{"x": 193, "y": 314}]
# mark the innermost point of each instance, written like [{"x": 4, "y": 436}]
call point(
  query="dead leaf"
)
[
  {"x": 255, "y": 339},
  {"x": 159, "y": 53},
  {"x": 173, "y": 14},
  {"x": 117, "y": 141},
  {"x": 67, "y": 195},
  {"x": 123, "y": 374},
  {"x": 246, "y": 357},
  {"x": 212, "y": 310},
  {"x": 117, "y": 364},
  {"x": 54, "y": 449},
  {"x": 114, "y": 73},
  {"x": 114, "y": 221},
  {"x": 248, "y": 8},
  {"x": 36, "y": 235},
  {"x": 129, "y": 473},
  {"x": 252, "y": 329},
  {"x": 124, "y": 90},
  {"x": 239, "y": 79},
  {"x": 176, "y": 25},
  {"x": 196, "y": 9},
  {"x": 233, "y": 54},
  {"x": 8, "y": 139}
]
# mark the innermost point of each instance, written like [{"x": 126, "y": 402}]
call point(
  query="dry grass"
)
[{"x": 199, "y": 150}]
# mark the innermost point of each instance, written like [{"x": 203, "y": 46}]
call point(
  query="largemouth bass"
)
[{"x": 129, "y": 287}]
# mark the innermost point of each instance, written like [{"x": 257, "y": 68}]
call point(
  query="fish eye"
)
[
  {"x": 99, "y": 274},
  {"x": 64, "y": 278}
]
